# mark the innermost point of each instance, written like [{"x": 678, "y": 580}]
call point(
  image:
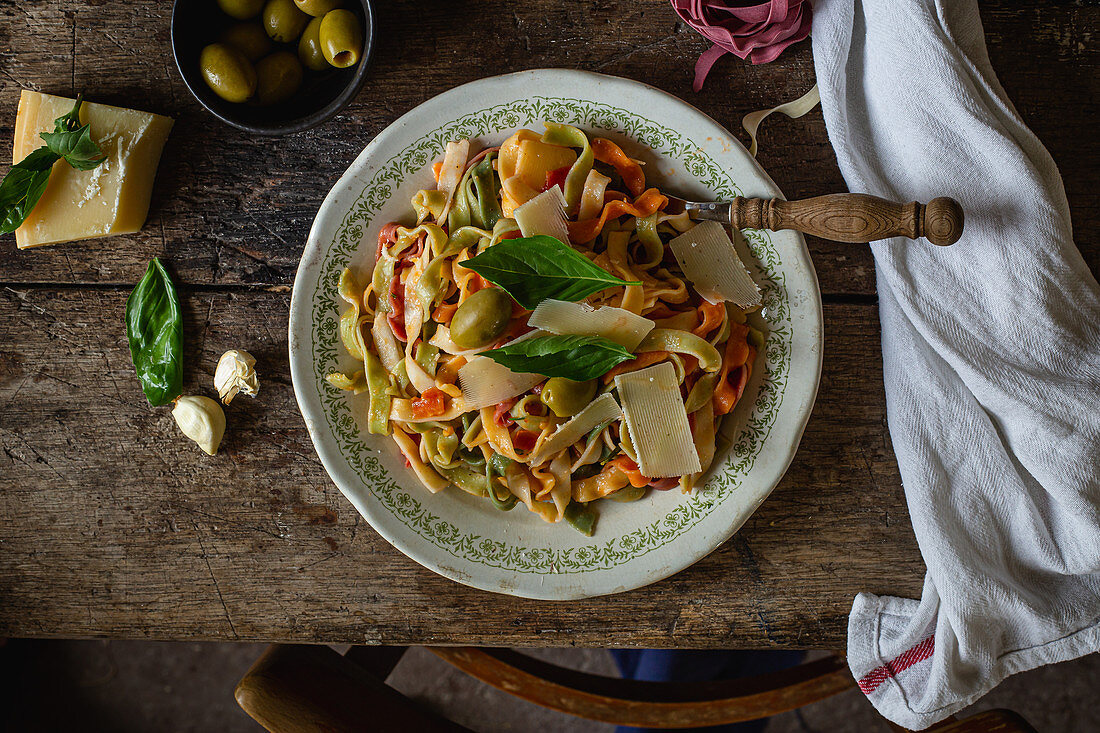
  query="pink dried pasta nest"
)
[{"x": 758, "y": 32}]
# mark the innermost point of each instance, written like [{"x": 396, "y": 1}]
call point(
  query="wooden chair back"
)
[{"x": 299, "y": 688}]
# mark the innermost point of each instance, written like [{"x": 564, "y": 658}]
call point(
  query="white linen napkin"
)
[{"x": 992, "y": 362}]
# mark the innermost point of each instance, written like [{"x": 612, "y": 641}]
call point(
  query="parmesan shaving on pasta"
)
[
  {"x": 655, "y": 414},
  {"x": 484, "y": 382},
  {"x": 601, "y": 410},
  {"x": 616, "y": 324},
  {"x": 544, "y": 214},
  {"x": 709, "y": 259}
]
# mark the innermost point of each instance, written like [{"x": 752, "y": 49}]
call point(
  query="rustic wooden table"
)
[{"x": 113, "y": 525}]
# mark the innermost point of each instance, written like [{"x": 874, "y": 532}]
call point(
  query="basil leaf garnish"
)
[
  {"x": 532, "y": 269},
  {"x": 573, "y": 357},
  {"x": 154, "y": 326},
  {"x": 76, "y": 147},
  {"x": 25, "y": 183},
  {"x": 72, "y": 141},
  {"x": 23, "y": 186}
]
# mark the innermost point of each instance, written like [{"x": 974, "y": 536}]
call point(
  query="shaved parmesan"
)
[
  {"x": 709, "y": 259},
  {"x": 601, "y": 410},
  {"x": 655, "y": 414},
  {"x": 544, "y": 214},
  {"x": 484, "y": 382},
  {"x": 450, "y": 175},
  {"x": 616, "y": 324}
]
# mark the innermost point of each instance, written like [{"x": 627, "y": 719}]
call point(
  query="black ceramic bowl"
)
[{"x": 196, "y": 23}]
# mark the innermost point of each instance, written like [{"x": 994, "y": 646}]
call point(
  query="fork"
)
[{"x": 841, "y": 217}]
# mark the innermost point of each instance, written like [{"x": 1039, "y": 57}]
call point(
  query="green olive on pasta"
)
[
  {"x": 341, "y": 38},
  {"x": 309, "y": 47},
  {"x": 241, "y": 9},
  {"x": 565, "y": 397},
  {"x": 481, "y": 319},
  {"x": 283, "y": 21},
  {"x": 317, "y": 8},
  {"x": 249, "y": 39}
]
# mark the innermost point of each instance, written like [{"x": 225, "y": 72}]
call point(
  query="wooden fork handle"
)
[{"x": 853, "y": 217}]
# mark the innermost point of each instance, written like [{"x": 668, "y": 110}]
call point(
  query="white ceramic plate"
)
[{"x": 465, "y": 538}]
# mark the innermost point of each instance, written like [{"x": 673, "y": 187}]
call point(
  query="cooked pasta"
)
[{"x": 476, "y": 397}]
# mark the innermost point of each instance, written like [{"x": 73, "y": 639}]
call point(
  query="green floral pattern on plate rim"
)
[{"x": 599, "y": 553}]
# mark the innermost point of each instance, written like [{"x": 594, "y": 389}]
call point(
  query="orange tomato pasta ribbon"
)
[
  {"x": 641, "y": 361},
  {"x": 739, "y": 356},
  {"x": 608, "y": 152},
  {"x": 630, "y": 470},
  {"x": 582, "y": 232},
  {"x": 444, "y": 312},
  {"x": 712, "y": 315}
]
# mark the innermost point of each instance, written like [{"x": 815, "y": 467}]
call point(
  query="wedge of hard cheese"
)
[{"x": 112, "y": 198}]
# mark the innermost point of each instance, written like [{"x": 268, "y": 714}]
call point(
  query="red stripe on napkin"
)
[{"x": 870, "y": 682}]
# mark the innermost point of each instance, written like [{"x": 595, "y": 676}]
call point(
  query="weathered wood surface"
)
[{"x": 114, "y": 525}]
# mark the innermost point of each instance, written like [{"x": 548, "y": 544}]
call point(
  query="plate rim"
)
[{"x": 302, "y": 376}]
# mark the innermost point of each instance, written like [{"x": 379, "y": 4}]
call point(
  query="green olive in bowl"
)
[
  {"x": 341, "y": 38},
  {"x": 227, "y": 72},
  {"x": 317, "y": 8},
  {"x": 283, "y": 21},
  {"x": 249, "y": 39},
  {"x": 481, "y": 319},
  {"x": 565, "y": 397},
  {"x": 278, "y": 77},
  {"x": 241, "y": 9},
  {"x": 309, "y": 47}
]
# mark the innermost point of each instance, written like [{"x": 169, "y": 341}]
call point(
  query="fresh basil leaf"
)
[
  {"x": 23, "y": 186},
  {"x": 70, "y": 121},
  {"x": 72, "y": 141},
  {"x": 532, "y": 269},
  {"x": 76, "y": 147},
  {"x": 574, "y": 357},
  {"x": 154, "y": 326}
]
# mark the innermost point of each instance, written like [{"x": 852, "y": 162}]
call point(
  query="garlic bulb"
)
[
  {"x": 236, "y": 373},
  {"x": 202, "y": 420}
]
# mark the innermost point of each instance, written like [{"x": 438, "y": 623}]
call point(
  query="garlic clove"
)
[
  {"x": 202, "y": 420},
  {"x": 236, "y": 373}
]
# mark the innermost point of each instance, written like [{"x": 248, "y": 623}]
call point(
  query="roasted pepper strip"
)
[{"x": 430, "y": 404}]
